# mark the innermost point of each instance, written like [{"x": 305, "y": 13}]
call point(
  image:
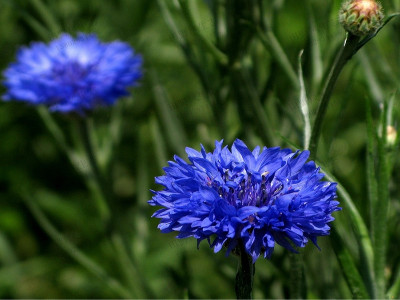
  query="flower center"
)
[
  {"x": 69, "y": 73},
  {"x": 365, "y": 7},
  {"x": 248, "y": 191}
]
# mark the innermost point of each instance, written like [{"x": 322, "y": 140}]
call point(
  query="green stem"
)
[
  {"x": 211, "y": 48},
  {"x": 107, "y": 204},
  {"x": 381, "y": 212},
  {"x": 104, "y": 201},
  {"x": 394, "y": 291},
  {"x": 297, "y": 285},
  {"x": 360, "y": 229},
  {"x": 345, "y": 53},
  {"x": 245, "y": 274},
  {"x": 47, "y": 16},
  {"x": 73, "y": 251},
  {"x": 271, "y": 43}
]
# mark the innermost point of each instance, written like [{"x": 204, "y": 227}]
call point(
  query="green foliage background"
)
[{"x": 175, "y": 107}]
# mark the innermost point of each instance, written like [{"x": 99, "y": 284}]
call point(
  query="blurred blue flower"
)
[
  {"x": 73, "y": 75},
  {"x": 259, "y": 198}
]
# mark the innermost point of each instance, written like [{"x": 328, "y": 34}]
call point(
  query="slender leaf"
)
[
  {"x": 371, "y": 173},
  {"x": 348, "y": 267},
  {"x": 360, "y": 229},
  {"x": 211, "y": 48},
  {"x": 72, "y": 250},
  {"x": 47, "y": 16},
  {"x": 304, "y": 106},
  {"x": 173, "y": 127},
  {"x": 381, "y": 210},
  {"x": 273, "y": 46}
]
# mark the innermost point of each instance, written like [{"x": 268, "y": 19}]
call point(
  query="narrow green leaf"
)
[
  {"x": 7, "y": 255},
  {"x": 304, "y": 106},
  {"x": 370, "y": 76},
  {"x": 211, "y": 48},
  {"x": 316, "y": 60},
  {"x": 158, "y": 141},
  {"x": 360, "y": 229},
  {"x": 71, "y": 249},
  {"x": 381, "y": 209},
  {"x": 127, "y": 267},
  {"x": 173, "y": 127},
  {"x": 371, "y": 173},
  {"x": 394, "y": 290},
  {"x": 273, "y": 46},
  {"x": 37, "y": 27},
  {"x": 372, "y": 35},
  {"x": 348, "y": 267},
  {"x": 47, "y": 16},
  {"x": 258, "y": 110},
  {"x": 35, "y": 267},
  {"x": 171, "y": 23}
]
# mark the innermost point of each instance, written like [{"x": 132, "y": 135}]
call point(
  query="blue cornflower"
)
[
  {"x": 73, "y": 75},
  {"x": 240, "y": 195}
]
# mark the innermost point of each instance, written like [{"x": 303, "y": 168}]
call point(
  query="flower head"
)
[
  {"x": 361, "y": 17},
  {"x": 259, "y": 198},
  {"x": 72, "y": 75}
]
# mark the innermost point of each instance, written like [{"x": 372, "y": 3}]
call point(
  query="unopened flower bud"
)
[
  {"x": 391, "y": 135},
  {"x": 361, "y": 17}
]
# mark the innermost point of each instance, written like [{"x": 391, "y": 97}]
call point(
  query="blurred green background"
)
[{"x": 185, "y": 98}]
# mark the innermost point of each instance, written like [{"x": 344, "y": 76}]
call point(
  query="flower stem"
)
[
  {"x": 245, "y": 275},
  {"x": 297, "y": 285},
  {"x": 104, "y": 201},
  {"x": 107, "y": 206},
  {"x": 346, "y": 52}
]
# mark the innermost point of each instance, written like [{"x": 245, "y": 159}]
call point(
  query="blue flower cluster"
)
[
  {"x": 259, "y": 198},
  {"x": 73, "y": 75}
]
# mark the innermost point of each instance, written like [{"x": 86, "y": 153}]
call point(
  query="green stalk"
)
[
  {"x": 394, "y": 291},
  {"x": 47, "y": 16},
  {"x": 348, "y": 267},
  {"x": 107, "y": 204},
  {"x": 211, "y": 48},
  {"x": 296, "y": 277},
  {"x": 360, "y": 230},
  {"x": 245, "y": 274},
  {"x": 271, "y": 43},
  {"x": 381, "y": 211},
  {"x": 345, "y": 53},
  {"x": 104, "y": 202}
]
